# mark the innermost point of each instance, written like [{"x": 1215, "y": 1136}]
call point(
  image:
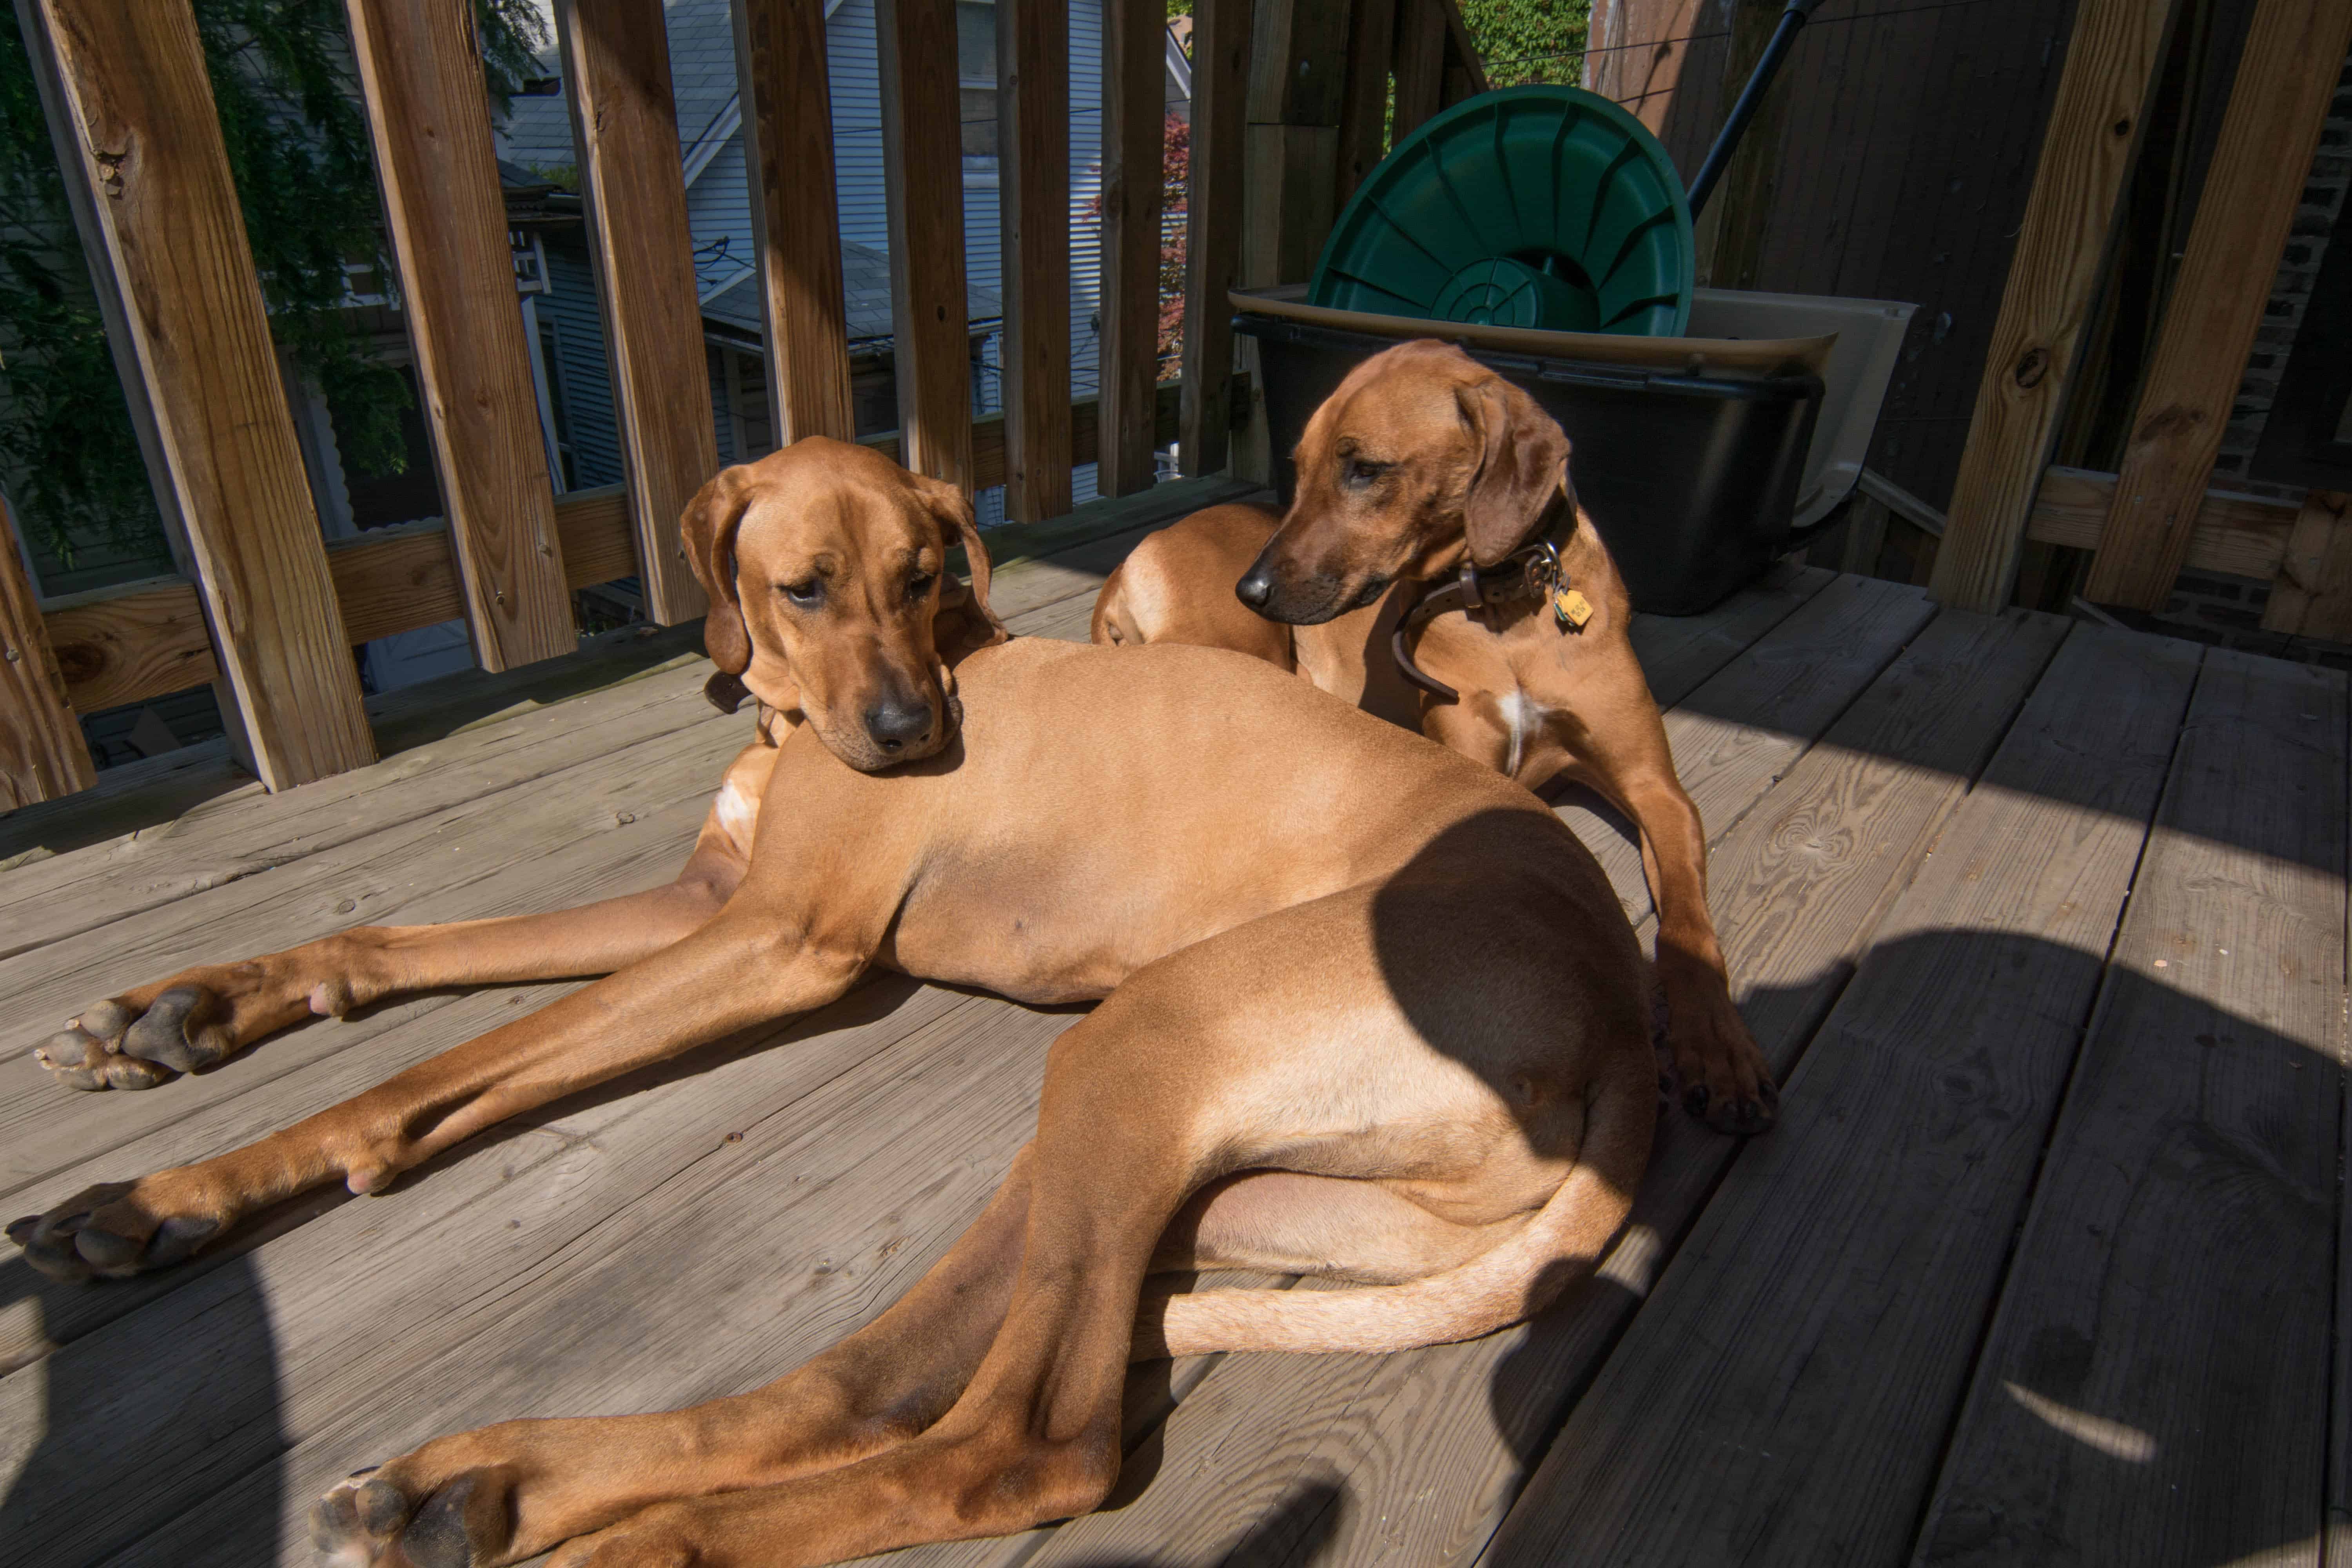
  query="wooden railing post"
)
[
  {"x": 2286, "y": 77},
  {"x": 1364, "y": 103},
  {"x": 1134, "y": 112},
  {"x": 1033, "y": 106},
  {"x": 780, "y": 63},
  {"x": 2313, "y": 594},
  {"x": 1221, "y": 49},
  {"x": 2062, "y": 245},
  {"x": 421, "y": 75},
  {"x": 42, "y": 752},
  {"x": 1420, "y": 65},
  {"x": 922, "y": 164},
  {"x": 616, "y": 74},
  {"x": 124, "y": 84}
]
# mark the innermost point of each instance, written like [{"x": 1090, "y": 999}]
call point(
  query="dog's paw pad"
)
[
  {"x": 368, "y": 1521},
  {"x": 172, "y": 1031}
]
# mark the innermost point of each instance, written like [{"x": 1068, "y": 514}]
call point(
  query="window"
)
[{"x": 976, "y": 66}]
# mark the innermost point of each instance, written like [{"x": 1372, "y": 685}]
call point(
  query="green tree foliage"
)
[
  {"x": 1529, "y": 40},
  {"x": 282, "y": 77}
]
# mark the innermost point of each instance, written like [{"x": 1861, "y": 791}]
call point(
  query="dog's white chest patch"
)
[
  {"x": 738, "y": 813},
  {"x": 1523, "y": 719}
]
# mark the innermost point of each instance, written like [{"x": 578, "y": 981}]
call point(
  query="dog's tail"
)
[{"x": 1516, "y": 1279}]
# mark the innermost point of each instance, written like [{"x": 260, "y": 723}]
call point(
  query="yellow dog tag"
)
[{"x": 1572, "y": 608}]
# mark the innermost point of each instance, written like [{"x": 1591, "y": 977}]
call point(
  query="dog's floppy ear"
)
[
  {"x": 707, "y": 528},
  {"x": 957, "y": 602},
  {"x": 1522, "y": 464}
]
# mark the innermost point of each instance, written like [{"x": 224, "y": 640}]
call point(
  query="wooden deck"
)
[{"x": 2042, "y": 923}]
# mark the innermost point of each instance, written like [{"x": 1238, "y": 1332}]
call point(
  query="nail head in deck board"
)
[
  {"x": 2087, "y": 152},
  {"x": 420, "y": 74},
  {"x": 1297, "y": 1422},
  {"x": 130, "y": 77},
  {"x": 1134, "y": 186},
  {"x": 2313, "y": 595},
  {"x": 625, "y": 124},
  {"x": 779, "y": 60},
  {"x": 2152, "y": 1389},
  {"x": 1842, "y": 1271},
  {"x": 1033, "y": 107},
  {"x": 42, "y": 752},
  {"x": 923, "y": 167},
  {"x": 2286, "y": 76},
  {"x": 1212, "y": 220}
]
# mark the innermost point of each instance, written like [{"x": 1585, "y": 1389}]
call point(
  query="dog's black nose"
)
[
  {"x": 895, "y": 724},
  {"x": 1255, "y": 588}
]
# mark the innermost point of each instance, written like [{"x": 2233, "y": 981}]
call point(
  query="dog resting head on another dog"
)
[
  {"x": 830, "y": 597},
  {"x": 1421, "y": 455}
]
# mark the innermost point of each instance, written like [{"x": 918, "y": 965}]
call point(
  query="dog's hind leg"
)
[
  {"x": 987, "y": 1399},
  {"x": 516, "y": 1489},
  {"x": 203, "y": 1015}
]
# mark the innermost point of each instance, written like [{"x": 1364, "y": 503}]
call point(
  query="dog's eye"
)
[
  {"x": 1358, "y": 472},
  {"x": 806, "y": 594},
  {"x": 920, "y": 584}
]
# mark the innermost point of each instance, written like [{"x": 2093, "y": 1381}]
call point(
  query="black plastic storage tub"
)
[{"x": 1691, "y": 479}]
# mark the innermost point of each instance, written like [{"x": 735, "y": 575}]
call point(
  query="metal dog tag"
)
[{"x": 1570, "y": 609}]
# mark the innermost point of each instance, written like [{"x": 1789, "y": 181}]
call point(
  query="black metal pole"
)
[{"x": 1751, "y": 98}]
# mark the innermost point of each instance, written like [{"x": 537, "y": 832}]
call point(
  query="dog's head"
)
[
  {"x": 827, "y": 566},
  {"x": 1422, "y": 454}
]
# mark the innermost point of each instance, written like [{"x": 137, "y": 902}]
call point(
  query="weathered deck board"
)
[
  {"x": 1738, "y": 731},
  {"x": 1416, "y": 1458},
  {"x": 2152, "y": 1391},
  {"x": 1840, "y": 1275},
  {"x": 478, "y": 859},
  {"x": 221, "y": 842},
  {"x": 368, "y": 1347},
  {"x": 293, "y": 1074},
  {"x": 819, "y": 1197},
  {"x": 616, "y": 1253}
]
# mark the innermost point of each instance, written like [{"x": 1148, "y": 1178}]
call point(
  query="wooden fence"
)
[{"x": 1286, "y": 114}]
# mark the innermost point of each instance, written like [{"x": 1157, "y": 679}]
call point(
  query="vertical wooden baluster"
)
[
  {"x": 140, "y": 146},
  {"x": 421, "y": 79},
  {"x": 922, "y": 160},
  {"x": 779, "y": 60},
  {"x": 1033, "y": 104},
  {"x": 625, "y": 124}
]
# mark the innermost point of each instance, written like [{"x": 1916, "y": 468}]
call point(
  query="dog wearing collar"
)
[{"x": 1436, "y": 569}]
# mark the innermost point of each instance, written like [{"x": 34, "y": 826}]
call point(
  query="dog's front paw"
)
[
  {"x": 1721, "y": 1074},
  {"x": 374, "y": 1518},
  {"x": 120, "y": 1229}
]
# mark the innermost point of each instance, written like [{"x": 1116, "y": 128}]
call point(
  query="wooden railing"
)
[
  {"x": 2158, "y": 515},
  {"x": 262, "y": 607}
]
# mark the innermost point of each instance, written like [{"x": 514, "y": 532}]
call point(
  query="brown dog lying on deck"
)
[
  {"x": 1422, "y": 464},
  {"x": 1371, "y": 1012}
]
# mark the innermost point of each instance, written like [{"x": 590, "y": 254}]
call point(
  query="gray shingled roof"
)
[
  {"x": 538, "y": 135},
  {"x": 702, "y": 82},
  {"x": 865, "y": 279}
]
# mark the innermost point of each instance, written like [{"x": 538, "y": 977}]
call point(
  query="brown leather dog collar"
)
[{"x": 1533, "y": 571}]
